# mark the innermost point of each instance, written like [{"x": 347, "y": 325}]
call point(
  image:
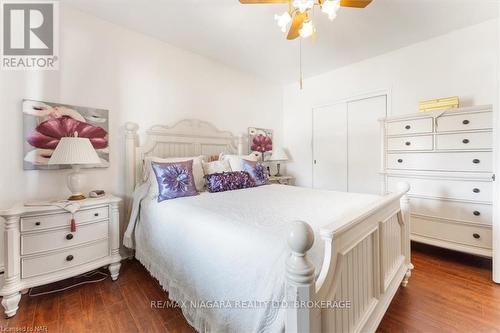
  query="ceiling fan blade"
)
[
  {"x": 297, "y": 22},
  {"x": 256, "y": 2},
  {"x": 355, "y": 3}
]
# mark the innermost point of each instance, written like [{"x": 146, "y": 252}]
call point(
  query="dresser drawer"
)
[
  {"x": 464, "y": 122},
  {"x": 55, "y": 240},
  {"x": 42, "y": 222},
  {"x": 62, "y": 260},
  {"x": 478, "y": 140},
  {"x": 463, "y": 161},
  {"x": 472, "y": 190},
  {"x": 453, "y": 210},
  {"x": 424, "y": 142},
  {"x": 471, "y": 235},
  {"x": 410, "y": 126}
]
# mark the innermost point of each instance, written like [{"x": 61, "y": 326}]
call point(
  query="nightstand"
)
[
  {"x": 283, "y": 180},
  {"x": 40, "y": 247}
]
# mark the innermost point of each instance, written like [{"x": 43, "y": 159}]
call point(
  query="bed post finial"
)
[
  {"x": 130, "y": 146},
  {"x": 300, "y": 281}
]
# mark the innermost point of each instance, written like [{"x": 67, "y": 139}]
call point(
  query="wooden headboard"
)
[{"x": 189, "y": 137}]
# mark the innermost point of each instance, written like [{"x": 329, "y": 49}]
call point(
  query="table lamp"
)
[
  {"x": 76, "y": 152},
  {"x": 279, "y": 155}
]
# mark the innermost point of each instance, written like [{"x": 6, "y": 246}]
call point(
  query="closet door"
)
[
  {"x": 364, "y": 149},
  {"x": 330, "y": 147}
]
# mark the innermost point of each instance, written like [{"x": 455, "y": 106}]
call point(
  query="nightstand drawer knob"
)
[
  {"x": 69, "y": 236},
  {"x": 476, "y": 161},
  {"x": 407, "y": 127},
  {"x": 476, "y": 236},
  {"x": 408, "y": 143},
  {"x": 476, "y": 190},
  {"x": 400, "y": 160},
  {"x": 37, "y": 223},
  {"x": 466, "y": 141},
  {"x": 465, "y": 122},
  {"x": 69, "y": 258},
  {"x": 476, "y": 213},
  {"x": 96, "y": 214}
]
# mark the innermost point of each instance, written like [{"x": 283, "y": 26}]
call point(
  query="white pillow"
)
[
  {"x": 236, "y": 160},
  {"x": 199, "y": 177},
  {"x": 216, "y": 167}
]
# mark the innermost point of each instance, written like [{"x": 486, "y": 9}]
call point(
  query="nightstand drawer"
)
[
  {"x": 62, "y": 260},
  {"x": 59, "y": 239},
  {"x": 42, "y": 222}
]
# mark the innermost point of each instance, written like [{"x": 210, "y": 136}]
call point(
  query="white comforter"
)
[{"x": 231, "y": 246}]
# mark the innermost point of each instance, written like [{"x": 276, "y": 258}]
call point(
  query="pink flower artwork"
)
[
  {"x": 260, "y": 141},
  {"x": 48, "y": 133},
  {"x": 46, "y": 123}
]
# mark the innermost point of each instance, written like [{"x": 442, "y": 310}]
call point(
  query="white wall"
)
[
  {"x": 135, "y": 77},
  {"x": 460, "y": 63},
  {"x": 138, "y": 79}
]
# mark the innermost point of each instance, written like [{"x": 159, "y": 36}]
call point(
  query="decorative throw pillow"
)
[
  {"x": 228, "y": 181},
  {"x": 174, "y": 180},
  {"x": 199, "y": 176},
  {"x": 216, "y": 167},
  {"x": 236, "y": 160},
  {"x": 256, "y": 170}
]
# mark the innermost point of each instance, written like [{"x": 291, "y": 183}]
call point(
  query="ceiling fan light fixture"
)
[
  {"x": 303, "y": 5},
  {"x": 331, "y": 7},
  {"x": 307, "y": 29},
  {"x": 283, "y": 20}
]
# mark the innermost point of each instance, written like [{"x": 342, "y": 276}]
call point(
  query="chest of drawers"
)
[
  {"x": 40, "y": 247},
  {"x": 447, "y": 158}
]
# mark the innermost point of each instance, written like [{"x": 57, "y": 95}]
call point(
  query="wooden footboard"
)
[{"x": 365, "y": 261}]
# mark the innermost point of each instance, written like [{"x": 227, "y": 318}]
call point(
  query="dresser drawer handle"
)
[
  {"x": 465, "y": 122},
  {"x": 96, "y": 214},
  {"x": 408, "y": 143},
  {"x": 466, "y": 141},
  {"x": 69, "y": 236},
  {"x": 476, "y": 161},
  {"x": 400, "y": 161},
  {"x": 476, "y": 236},
  {"x": 38, "y": 223},
  {"x": 476, "y": 190},
  {"x": 476, "y": 213},
  {"x": 407, "y": 127},
  {"x": 69, "y": 258}
]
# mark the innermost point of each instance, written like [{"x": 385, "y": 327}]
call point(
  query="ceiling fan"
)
[{"x": 298, "y": 14}]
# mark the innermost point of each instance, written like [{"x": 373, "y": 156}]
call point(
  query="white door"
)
[
  {"x": 330, "y": 147},
  {"x": 364, "y": 148}
]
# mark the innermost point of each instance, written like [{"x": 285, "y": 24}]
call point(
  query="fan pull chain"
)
[{"x": 300, "y": 64}]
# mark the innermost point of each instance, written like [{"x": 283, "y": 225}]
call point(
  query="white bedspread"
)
[{"x": 230, "y": 247}]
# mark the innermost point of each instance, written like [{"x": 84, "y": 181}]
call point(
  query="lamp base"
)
[
  {"x": 75, "y": 184},
  {"x": 278, "y": 174},
  {"x": 77, "y": 197}
]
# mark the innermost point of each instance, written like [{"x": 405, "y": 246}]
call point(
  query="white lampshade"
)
[
  {"x": 74, "y": 151},
  {"x": 279, "y": 154}
]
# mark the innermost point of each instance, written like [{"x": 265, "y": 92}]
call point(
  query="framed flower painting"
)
[
  {"x": 46, "y": 123},
  {"x": 260, "y": 142}
]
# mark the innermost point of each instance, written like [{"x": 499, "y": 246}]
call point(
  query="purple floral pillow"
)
[
  {"x": 174, "y": 180},
  {"x": 256, "y": 171},
  {"x": 228, "y": 181}
]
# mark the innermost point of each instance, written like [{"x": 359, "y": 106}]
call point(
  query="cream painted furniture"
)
[
  {"x": 283, "y": 180},
  {"x": 365, "y": 261},
  {"x": 40, "y": 247},
  {"x": 447, "y": 158}
]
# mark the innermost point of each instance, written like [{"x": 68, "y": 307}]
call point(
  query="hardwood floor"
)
[{"x": 448, "y": 292}]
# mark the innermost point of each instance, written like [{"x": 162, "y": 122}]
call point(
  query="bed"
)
[{"x": 247, "y": 260}]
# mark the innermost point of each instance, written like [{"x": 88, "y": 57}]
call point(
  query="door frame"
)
[{"x": 351, "y": 98}]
